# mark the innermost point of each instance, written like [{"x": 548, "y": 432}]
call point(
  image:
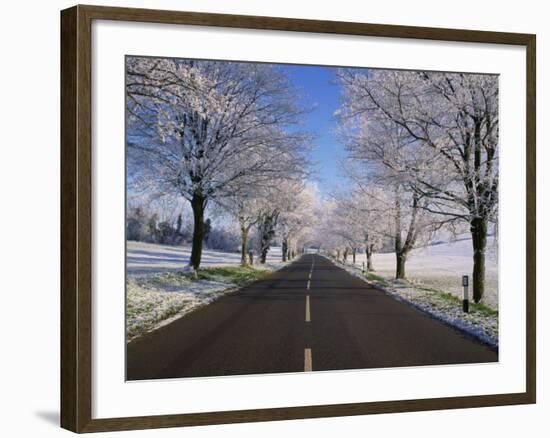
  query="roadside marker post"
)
[{"x": 465, "y": 300}]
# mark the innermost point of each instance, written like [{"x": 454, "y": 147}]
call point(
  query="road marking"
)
[
  {"x": 308, "y": 282},
  {"x": 310, "y": 275},
  {"x": 308, "y": 312},
  {"x": 307, "y": 360}
]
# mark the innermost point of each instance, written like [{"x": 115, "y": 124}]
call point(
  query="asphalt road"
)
[{"x": 309, "y": 316}]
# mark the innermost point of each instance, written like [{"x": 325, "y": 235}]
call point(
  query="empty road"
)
[{"x": 309, "y": 316}]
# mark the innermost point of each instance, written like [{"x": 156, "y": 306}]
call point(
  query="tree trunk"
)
[
  {"x": 263, "y": 255},
  {"x": 345, "y": 256},
  {"x": 338, "y": 255},
  {"x": 267, "y": 224},
  {"x": 400, "y": 265},
  {"x": 285, "y": 249},
  {"x": 244, "y": 242},
  {"x": 198, "y": 204},
  {"x": 368, "y": 251},
  {"x": 353, "y": 254},
  {"x": 479, "y": 242},
  {"x": 400, "y": 255}
]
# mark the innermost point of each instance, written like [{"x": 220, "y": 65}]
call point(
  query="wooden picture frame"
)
[{"x": 76, "y": 217}]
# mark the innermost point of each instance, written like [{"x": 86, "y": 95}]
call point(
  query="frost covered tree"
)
[
  {"x": 327, "y": 229},
  {"x": 366, "y": 216},
  {"x": 298, "y": 215},
  {"x": 347, "y": 228},
  {"x": 203, "y": 130},
  {"x": 136, "y": 224},
  {"x": 282, "y": 206},
  {"x": 376, "y": 148},
  {"x": 448, "y": 122},
  {"x": 406, "y": 213},
  {"x": 285, "y": 205},
  {"x": 376, "y": 215},
  {"x": 246, "y": 208}
]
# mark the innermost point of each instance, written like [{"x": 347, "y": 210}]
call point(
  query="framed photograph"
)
[{"x": 270, "y": 218}]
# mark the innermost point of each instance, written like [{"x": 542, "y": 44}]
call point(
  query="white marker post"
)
[{"x": 465, "y": 301}]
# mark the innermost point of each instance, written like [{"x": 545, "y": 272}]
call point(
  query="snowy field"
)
[
  {"x": 148, "y": 258},
  {"x": 159, "y": 289},
  {"x": 442, "y": 267}
]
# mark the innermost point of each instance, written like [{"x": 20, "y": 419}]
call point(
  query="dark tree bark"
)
[
  {"x": 483, "y": 192},
  {"x": 244, "y": 244},
  {"x": 267, "y": 224},
  {"x": 402, "y": 249},
  {"x": 400, "y": 266},
  {"x": 479, "y": 243},
  {"x": 399, "y": 260},
  {"x": 245, "y": 230},
  {"x": 369, "y": 250},
  {"x": 285, "y": 249},
  {"x": 354, "y": 252},
  {"x": 198, "y": 204}
]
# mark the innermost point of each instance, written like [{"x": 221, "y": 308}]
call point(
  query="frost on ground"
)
[
  {"x": 481, "y": 322},
  {"x": 441, "y": 267},
  {"x": 434, "y": 286},
  {"x": 157, "y": 292},
  {"x": 148, "y": 258},
  {"x": 151, "y": 300}
]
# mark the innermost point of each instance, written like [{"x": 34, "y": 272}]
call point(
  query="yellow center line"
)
[{"x": 307, "y": 360}]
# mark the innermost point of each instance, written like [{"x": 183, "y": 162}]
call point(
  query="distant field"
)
[
  {"x": 148, "y": 258},
  {"x": 442, "y": 267}
]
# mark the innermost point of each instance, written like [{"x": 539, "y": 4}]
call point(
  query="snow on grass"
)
[
  {"x": 147, "y": 258},
  {"x": 481, "y": 322},
  {"x": 159, "y": 289},
  {"x": 441, "y": 267},
  {"x": 148, "y": 304}
]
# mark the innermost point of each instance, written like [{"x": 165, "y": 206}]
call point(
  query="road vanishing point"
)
[{"x": 310, "y": 315}]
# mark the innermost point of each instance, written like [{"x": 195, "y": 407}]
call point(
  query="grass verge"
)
[
  {"x": 239, "y": 275},
  {"x": 451, "y": 299},
  {"x": 456, "y": 301},
  {"x": 373, "y": 277}
]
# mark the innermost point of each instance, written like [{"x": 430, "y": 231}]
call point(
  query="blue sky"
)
[{"x": 315, "y": 82}]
